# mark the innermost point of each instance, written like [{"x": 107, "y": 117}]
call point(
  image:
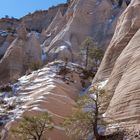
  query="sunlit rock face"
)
[
  {"x": 86, "y": 18},
  {"x": 17, "y": 40},
  {"x": 9, "y": 23},
  {"x": 63, "y": 28},
  {"x": 41, "y": 91},
  {"x": 23, "y": 52},
  {"x": 121, "y": 66},
  {"x": 36, "y": 21},
  {"x": 5, "y": 42},
  {"x": 41, "y": 19}
]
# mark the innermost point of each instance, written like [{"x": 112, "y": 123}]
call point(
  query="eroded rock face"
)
[
  {"x": 26, "y": 46},
  {"x": 66, "y": 26},
  {"x": 19, "y": 57},
  {"x": 54, "y": 28},
  {"x": 124, "y": 84},
  {"x": 121, "y": 66},
  {"x": 42, "y": 19},
  {"x": 9, "y": 23},
  {"x": 36, "y": 21},
  {"x": 5, "y": 43},
  {"x": 83, "y": 20},
  {"x": 45, "y": 90}
]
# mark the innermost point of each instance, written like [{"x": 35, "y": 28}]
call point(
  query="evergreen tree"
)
[
  {"x": 33, "y": 127},
  {"x": 87, "y": 116},
  {"x": 91, "y": 53}
]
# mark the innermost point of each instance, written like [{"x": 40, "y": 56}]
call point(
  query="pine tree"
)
[
  {"x": 91, "y": 53},
  {"x": 87, "y": 116},
  {"x": 33, "y": 127}
]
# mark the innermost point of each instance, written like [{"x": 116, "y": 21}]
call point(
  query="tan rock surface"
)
[
  {"x": 82, "y": 21},
  {"x": 6, "y": 43},
  {"x": 20, "y": 55},
  {"x": 10, "y": 23},
  {"x": 124, "y": 84},
  {"x": 54, "y": 28},
  {"x": 127, "y": 26},
  {"x": 43, "y": 90},
  {"x": 42, "y": 19},
  {"x": 121, "y": 66}
]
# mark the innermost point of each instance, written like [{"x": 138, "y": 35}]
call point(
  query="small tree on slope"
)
[
  {"x": 86, "y": 118},
  {"x": 33, "y": 128},
  {"x": 91, "y": 53}
]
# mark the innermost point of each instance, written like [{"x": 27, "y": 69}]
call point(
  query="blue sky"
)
[{"x": 19, "y": 8}]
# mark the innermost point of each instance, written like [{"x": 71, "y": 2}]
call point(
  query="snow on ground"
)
[
  {"x": 39, "y": 109},
  {"x": 102, "y": 84},
  {"x": 29, "y": 91},
  {"x": 3, "y": 33},
  {"x": 13, "y": 104}
]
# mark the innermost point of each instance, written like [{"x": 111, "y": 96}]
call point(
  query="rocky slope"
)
[
  {"x": 42, "y": 90},
  {"x": 34, "y": 21},
  {"x": 5, "y": 41},
  {"x": 40, "y": 20},
  {"x": 8, "y": 23},
  {"x": 37, "y": 21},
  {"x": 82, "y": 20},
  {"x": 62, "y": 33},
  {"x": 120, "y": 66},
  {"x": 65, "y": 32},
  {"x": 24, "y": 53}
]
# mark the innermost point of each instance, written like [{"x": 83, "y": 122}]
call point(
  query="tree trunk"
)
[
  {"x": 127, "y": 2},
  {"x": 120, "y": 3},
  {"x": 95, "y": 129},
  {"x": 86, "y": 65},
  {"x": 95, "y": 126}
]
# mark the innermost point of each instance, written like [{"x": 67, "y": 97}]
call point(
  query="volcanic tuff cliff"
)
[
  {"x": 43, "y": 90},
  {"x": 65, "y": 30},
  {"x": 37, "y": 21},
  {"x": 120, "y": 66},
  {"x": 81, "y": 14},
  {"x": 59, "y": 35},
  {"x": 12, "y": 29},
  {"x": 33, "y": 21}
]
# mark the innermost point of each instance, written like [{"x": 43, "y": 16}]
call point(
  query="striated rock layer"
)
[
  {"x": 42, "y": 91},
  {"x": 36, "y": 21},
  {"x": 40, "y": 20},
  {"x": 84, "y": 18},
  {"x": 121, "y": 66},
  {"x": 24, "y": 53},
  {"x": 63, "y": 28}
]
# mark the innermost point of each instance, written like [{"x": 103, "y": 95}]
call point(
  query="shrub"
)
[{"x": 35, "y": 65}]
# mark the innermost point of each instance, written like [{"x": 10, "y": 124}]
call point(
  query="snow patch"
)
[
  {"x": 113, "y": 126},
  {"x": 61, "y": 48},
  {"x": 102, "y": 84},
  {"x": 39, "y": 109}
]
